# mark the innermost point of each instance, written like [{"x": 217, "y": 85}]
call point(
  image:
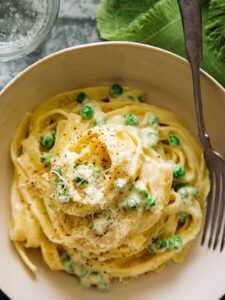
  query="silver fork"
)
[{"x": 214, "y": 226}]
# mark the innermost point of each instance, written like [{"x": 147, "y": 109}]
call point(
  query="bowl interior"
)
[{"x": 166, "y": 80}]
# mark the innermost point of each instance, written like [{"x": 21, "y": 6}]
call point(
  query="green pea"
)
[
  {"x": 161, "y": 244},
  {"x": 188, "y": 190},
  {"x": 141, "y": 98},
  {"x": 133, "y": 203},
  {"x": 178, "y": 171},
  {"x": 182, "y": 216},
  {"x": 87, "y": 112},
  {"x": 65, "y": 258},
  {"x": 142, "y": 192},
  {"x": 183, "y": 192},
  {"x": 153, "y": 120},
  {"x": 79, "y": 180},
  {"x": 173, "y": 140},
  {"x": 115, "y": 90},
  {"x": 46, "y": 158},
  {"x": 186, "y": 196},
  {"x": 81, "y": 97},
  {"x": 69, "y": 265},
  {"x": 175, "y": 242},
  {"x": 194, "y": 192},
  {"x": 70, "y": 268},
  {"x": 48, "y": 140},
  {"x": 60, "y": 185},
  {"x": 153, "y": 139},
  {"x": 131, "y": 120},
  {"x": 150, "y": 202},
  {"x": 58, "y": 170}
]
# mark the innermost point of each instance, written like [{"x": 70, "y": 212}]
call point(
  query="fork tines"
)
[{"x": 214, "y": 227}]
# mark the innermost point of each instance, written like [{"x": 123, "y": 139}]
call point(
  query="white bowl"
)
[{"x": 166, "y": 80}]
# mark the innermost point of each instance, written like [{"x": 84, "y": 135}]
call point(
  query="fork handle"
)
[{"x": 192, "y": 26}]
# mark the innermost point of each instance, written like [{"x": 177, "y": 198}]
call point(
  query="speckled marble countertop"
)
[{"x": 75, "y": 25}]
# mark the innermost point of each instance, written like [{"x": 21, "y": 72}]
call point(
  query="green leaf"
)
[
  {"x": 112, "y": 15},
  {"x": 212, "y": 63},
  {"x": 157, "y": 23},
  {"x": 215, "y": 28}
]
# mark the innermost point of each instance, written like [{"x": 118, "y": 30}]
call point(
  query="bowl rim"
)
[{"x": 105, "y": 44}]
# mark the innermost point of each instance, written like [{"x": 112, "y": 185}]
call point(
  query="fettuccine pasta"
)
[{"x": 107, "y": 186}]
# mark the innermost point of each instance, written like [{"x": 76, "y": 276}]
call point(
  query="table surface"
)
[{"x": 75, "y": 25}]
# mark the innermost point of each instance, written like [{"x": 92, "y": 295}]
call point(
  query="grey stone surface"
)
[{"x": 74, "y": 26}]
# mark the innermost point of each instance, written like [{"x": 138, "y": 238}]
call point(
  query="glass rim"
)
[{"x": 34, "y": 43}]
